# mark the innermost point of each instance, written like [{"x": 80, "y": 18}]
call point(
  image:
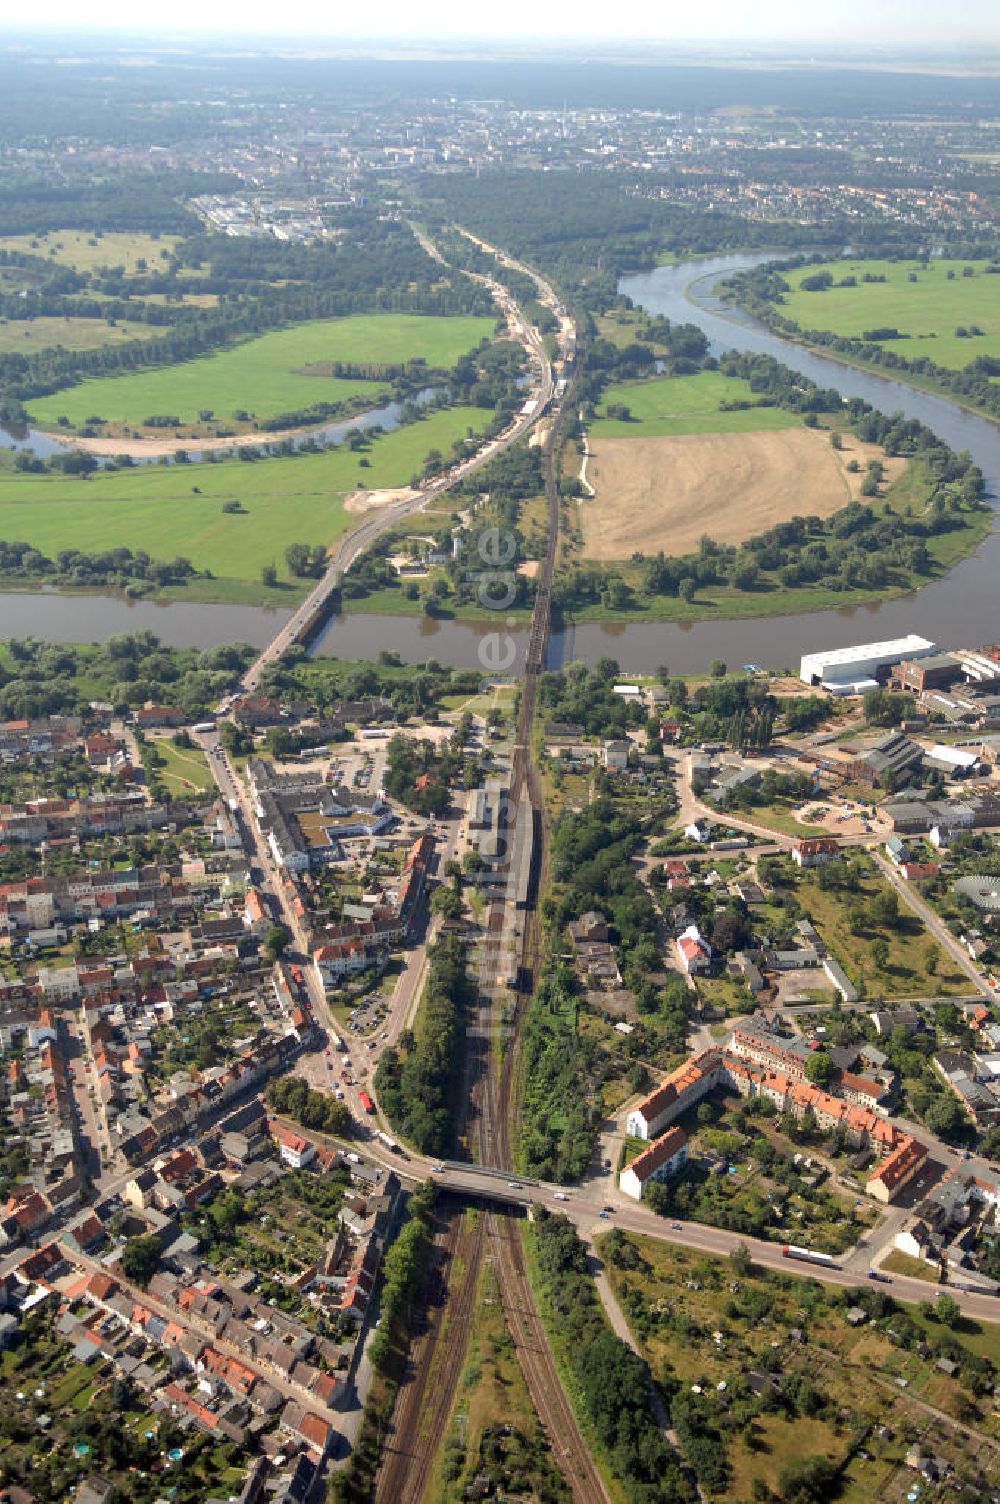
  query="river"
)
[
  {"x": 34, "y": 441},
  {"x": 962, "y": 609},
  {"x": 94, "y": 618}
]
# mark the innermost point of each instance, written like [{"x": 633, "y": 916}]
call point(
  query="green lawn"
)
[
  {"x": 265, "y": 376},
  {"x": 184, "y": 769},
  {"x": 929, "y": 310},
  {"x": 177, "y": 509},
  {"x": 669, "y": 405},
  {"x": 74, "y": 248},
  {"x": 26, "y": 336}
]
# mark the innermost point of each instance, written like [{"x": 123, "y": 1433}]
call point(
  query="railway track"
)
[
  {"x": 425, "y": 1401},
  {"x": 424, "y": 1407},
  {"x": 497, "y": 1097},
  {"x": 538, "y": 1365}
]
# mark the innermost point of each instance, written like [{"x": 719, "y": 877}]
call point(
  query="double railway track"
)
[
  {"x": 497, "y": 1105},
  {"x": 424, "y": 1407},
  {"x": 487, "y": 1119}
]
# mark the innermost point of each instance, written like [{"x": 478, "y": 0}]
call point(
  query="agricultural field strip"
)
[{"x": 264, "y": 376}]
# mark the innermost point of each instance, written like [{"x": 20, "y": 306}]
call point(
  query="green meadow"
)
[
  {"x": 86, "y": 252},
  {"x": 27, "y": 336},
  {"x": 176, "y": 510},
  {"x": 928, "y": 309},
  {"x": 265, "y": 376},
  {"x": 665, "y": 406}
]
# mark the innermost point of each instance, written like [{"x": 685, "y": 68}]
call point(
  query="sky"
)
[{"x": 849, "y": 24}]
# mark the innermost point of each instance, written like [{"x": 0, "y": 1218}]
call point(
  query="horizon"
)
[{"x": 847, "y": 29}]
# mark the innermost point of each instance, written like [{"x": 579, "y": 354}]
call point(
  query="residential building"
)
[{"x": 662, "y": 1160}]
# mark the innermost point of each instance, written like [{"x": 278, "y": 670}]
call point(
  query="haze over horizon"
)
[{"x": 847, "y": 26}]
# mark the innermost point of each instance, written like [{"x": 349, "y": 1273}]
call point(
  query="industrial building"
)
[
  {"x": 935, "y": 671},
  {"x": 893, "y": 756},
  {"x": 848, "y": 671}
]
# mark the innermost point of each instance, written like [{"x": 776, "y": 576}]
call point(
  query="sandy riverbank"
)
[{"x": 144, "y": 449}]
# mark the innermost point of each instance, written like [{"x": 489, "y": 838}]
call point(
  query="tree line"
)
[
  {"x": 418, "y": 1083},
  {"x": 762, "y": 291},
  {"x": 612, "y": 1381}
]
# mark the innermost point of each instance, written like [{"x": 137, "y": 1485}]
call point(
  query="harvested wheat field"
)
[{"x": 665, "y": 493}]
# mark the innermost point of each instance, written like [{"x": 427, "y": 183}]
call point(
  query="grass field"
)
[
  {"x": 85, "y": 252},
  {"x": 265, "y": 376},
  {"x": 184, "y": 770},
  {"x": 929, "y": 309},
  {"x": 670, "y": 405},
  {"x": 492, "y": 1393},
  {"x": 177, "y": 509},
  {"x": 26, "y": 336},
  {"x": 665, "y": 493}
]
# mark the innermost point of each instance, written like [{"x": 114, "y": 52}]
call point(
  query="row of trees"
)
[
  {"x": 612, "y": 1381},
  {"x": 120, "y": 568},
  {"x": 418, "y": 1083}
]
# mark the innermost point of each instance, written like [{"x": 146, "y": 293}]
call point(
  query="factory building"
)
[{"x": 849, "y": 671}]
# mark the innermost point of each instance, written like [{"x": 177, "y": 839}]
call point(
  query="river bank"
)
[
  {"x": 155, "y": 449},
  {"x": 801, "y": 340},
  {"x": 959, "y": 608}
]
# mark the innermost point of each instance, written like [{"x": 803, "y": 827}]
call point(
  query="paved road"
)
[
  {"x": 81, "y": 1075},
  {"x": 917, "y": 905},
  {"x": 583, "y": 1206},
  {"x": 355, "y": 543}
]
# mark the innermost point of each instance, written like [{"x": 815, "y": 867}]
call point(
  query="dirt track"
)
[{"x": 664, "y": 493}]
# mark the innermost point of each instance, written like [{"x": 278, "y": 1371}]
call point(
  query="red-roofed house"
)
[
  {"x": 693, "y": 952},
  {"x": 918, "y": 872},
  {"x": 294, "y": 1149},
  {"x": 254, "y": 912},
  {"x": 898, "y": 1168},
  {"x": 686, "y": 1085},
  {"x": 814, "y": 850},
  {"x": 660, "y": 1161}
]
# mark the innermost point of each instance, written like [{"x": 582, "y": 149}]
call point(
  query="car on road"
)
[
  {"x": 437, "y": 1169},
  {"x": 676, "y": 1227},
  {"x": 561, "y": 1196},
  {"x": 515, "y": 1185}
]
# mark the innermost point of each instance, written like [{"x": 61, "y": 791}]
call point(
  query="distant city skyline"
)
[{"x": 848, "y": 25}]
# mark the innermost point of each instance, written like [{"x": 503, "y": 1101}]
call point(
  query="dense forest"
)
[{"x": 587, "y": 230}]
